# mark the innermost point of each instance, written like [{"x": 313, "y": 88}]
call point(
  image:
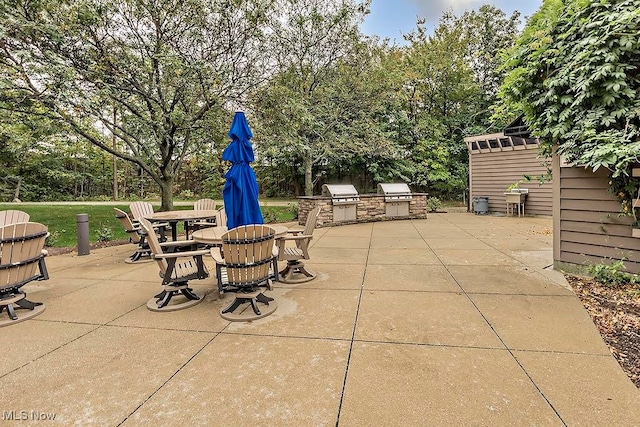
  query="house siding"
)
[{"x": 589, "y": 228}]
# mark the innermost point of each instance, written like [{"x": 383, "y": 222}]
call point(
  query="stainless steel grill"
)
[
  {"x": 344, "y": 198},
  {"x": 397, "y": 197},
  {"x": 395, "y": 192},
  {"x": 341, "y": 194}
]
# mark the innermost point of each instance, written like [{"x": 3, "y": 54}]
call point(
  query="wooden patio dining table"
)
[{"x": 174, "y": 217}]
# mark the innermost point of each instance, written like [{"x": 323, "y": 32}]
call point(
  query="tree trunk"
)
[
  {"x": 16, "y": 194},
  {"x": 166, "y": 191},
  {"x": 115, "y": 160},
  {"x": 308, "y": 175}
]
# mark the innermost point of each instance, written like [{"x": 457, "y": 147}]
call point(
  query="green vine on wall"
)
[{"x": 575, "y": 73}]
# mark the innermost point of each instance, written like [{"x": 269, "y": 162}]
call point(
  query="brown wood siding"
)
[
  {"x": 492, "y": 172},
  {"x": 591, "y": 230}
]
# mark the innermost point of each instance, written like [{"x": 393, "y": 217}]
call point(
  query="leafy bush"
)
[
  {"x": 612, "y": 274},
  {"x": 269, "y": 216},
  {"x": 104, "y": 234},
  {"x": 187, "y": 195},
  {"x": 53, "y": 237},
  {"x": 433, "y": 203},
  {"x": 293, "y": 209}
]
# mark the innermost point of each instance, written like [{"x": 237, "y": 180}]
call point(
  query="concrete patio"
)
[{"x": 452, "y": 320}]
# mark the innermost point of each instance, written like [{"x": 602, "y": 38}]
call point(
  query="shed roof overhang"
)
[{"x": 499, "y": 142}]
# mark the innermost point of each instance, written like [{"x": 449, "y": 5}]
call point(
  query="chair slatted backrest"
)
[
  {"x": 12, "y": 216},
  {"x": 204, "y": 205},
  {"x": 21, "y": 247},
  {"x": 140, "y": 210},
  {"x": 154, "y": 244},
  {"x": 221, "y": 217},
  {"x": 248, "y": 253},
  {"x": 312, "y": 220},
  {"x": 125, "y": 220}
]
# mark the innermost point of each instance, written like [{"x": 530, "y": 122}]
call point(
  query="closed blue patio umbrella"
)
[{"x": 240, "y": 192}]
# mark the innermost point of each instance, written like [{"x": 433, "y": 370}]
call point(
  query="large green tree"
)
[
  {"x": 575, "y": 73},
  {"x": 313, "y": 137},
  {"x": 309, "y": 109},
  {"x": 488, "y": 32},
  {"x": 157, "y": 74},
  {"x": 440, "y": 97}
]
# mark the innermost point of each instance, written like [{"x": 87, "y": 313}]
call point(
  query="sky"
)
[{"x": 392, "y": 18}]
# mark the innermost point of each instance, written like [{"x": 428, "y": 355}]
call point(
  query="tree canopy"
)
[
  {"x": 575, "y": 73},
  {"x": 156, "y": 74},
  {"x": 307, "y": 108},
  {"x": 155, "y": 83}
]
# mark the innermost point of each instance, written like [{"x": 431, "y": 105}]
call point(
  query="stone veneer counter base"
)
[{"x": 371, "y": 208}]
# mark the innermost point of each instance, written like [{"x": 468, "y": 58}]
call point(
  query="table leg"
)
[{"x": 174, "y": 230}]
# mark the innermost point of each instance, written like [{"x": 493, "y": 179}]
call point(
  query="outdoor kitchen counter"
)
[{"x": 371, "y": 207}]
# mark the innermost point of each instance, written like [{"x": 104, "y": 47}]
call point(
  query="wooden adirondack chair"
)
[
  {"x": 203, "y": 205},
  {"x": 21, "y": 255},
  {"x": 140, "y": 210},
  {"x": 137, "y": 236},
  {"x": 246, "y": 261},
  {"x": 12, "y": 216},
  {"x": 221, "y": 217},
  {"x": 295, "y": 271},
  {"x": 178, "y": 263}
]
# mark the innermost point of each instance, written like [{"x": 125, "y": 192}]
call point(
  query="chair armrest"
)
[
  {"x": 178, "y": 244},
  {"x": 298, "y": 237},
  {"x": 136, "y": 224},
  {"x": 216, "y": 255},
  {"x": 156, "y": 227},
  {"x": 182, "y": 254}
]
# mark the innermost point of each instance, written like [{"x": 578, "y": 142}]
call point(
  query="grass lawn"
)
[{"x": 103, "y": 225}]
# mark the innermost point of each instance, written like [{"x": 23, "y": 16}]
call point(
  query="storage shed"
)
[{"x": 499, "y": 160}]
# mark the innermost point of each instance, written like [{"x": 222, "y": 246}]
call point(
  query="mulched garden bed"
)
[{"x": 615, "y": 310}]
